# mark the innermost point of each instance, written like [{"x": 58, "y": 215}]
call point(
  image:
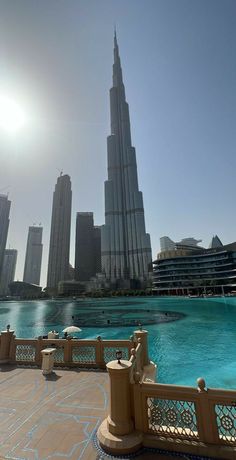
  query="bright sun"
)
[{"x": 12, "y": 117}]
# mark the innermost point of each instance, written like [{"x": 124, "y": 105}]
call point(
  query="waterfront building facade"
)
[
  {"x": 87, "y": 247},
  {"x": 71, "y": 288},
  {"x": 59, "y": 248},
  {"x": 5, "y": 205},
  {"x": 23, "y": 290},
  {"x": 196, "y": 270},
  {"x": 33, "y": 256},
  {"x": 8, "y": 271},
  {"x": 167, "y": 244},
  {"x": 126, "y": 247}
]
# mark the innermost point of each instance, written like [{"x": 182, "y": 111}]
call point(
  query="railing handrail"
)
[
  {"x": 74, "y": 340},
  {"x": 163, "y": 388}
]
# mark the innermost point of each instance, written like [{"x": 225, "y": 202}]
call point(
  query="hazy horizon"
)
[{"x": 178, "y": 61}]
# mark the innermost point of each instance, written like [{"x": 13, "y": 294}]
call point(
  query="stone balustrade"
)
[
  {"x": 193, "y": 420},
  {"x": 69, "y": 352},
  {"x": 196, "y": 421},
  {"x": 200, "y": 421}
]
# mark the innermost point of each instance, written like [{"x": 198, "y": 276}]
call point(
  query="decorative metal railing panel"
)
[
  {"x": 25, "y": 353},
  {"x": 226, "y": 423},
  {"x": 59, "y": 355},
  {"x": 84, "y": 354},
  {"x": 172, "y": 418},
  {"x": 109, "y": 353}
]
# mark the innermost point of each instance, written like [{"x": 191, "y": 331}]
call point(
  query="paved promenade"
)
[
  {"x": 53, "y": 418},
  {"x": 50, "y": 418}
]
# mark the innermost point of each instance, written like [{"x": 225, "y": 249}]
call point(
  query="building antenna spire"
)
[{"x": 115, "y": 36}]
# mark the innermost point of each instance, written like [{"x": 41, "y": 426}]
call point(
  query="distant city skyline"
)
[{"x": 180, "y": 81}]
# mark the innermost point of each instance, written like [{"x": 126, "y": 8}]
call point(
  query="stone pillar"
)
[
  {"x": 143, "y": 336},
  {"x": 6, "y": 338},
  {"x": 119, "y": 421},
  {"x": 116, "y": 433},
  {"x": 149, "y": 369}
]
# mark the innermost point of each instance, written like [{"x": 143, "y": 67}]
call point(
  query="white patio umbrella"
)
[{"x": 71, "y": 329}]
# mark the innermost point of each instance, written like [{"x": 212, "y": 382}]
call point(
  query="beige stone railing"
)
[
  {"x": 69, "y": 352},
  {"x": 177, "y": 418},
  {"x": 170, "y": 417},
  {"x": 186, "y": 417}
]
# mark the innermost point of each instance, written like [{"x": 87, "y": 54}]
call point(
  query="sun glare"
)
[{"x": 12, "y": 117}]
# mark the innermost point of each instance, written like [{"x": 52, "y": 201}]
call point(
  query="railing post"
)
[
  {"x": 142, "y": 337},
  {"x": 116, "y": 433},
  {"x": 149, "y": 369},
  {"x": 12, "y": 352},
  {"x": 119, "y": 420},
  {"x": 99, "y": 354},
  {"x": 67, "y": 351},
  {"x": 6, "y": 338},
  {"x": 206, "y": 421},
  {"x": 39, "y": 347}
]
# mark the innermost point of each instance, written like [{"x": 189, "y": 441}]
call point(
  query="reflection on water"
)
[{"x": 200, "y": 343}]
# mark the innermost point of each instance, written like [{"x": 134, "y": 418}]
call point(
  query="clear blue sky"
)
[{"x": 179, "y": 67}]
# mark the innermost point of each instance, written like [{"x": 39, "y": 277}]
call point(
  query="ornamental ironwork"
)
[
  {"x": 187, "y": 417},
  {"x": 156, "y": 416},
  {"x": 25, "y": 353},
  {"x": 59, "y": 355},
  {"x": 170, "y": 417},
  {"x": 226, "y": 423},
  {"x": 109, "y": 353},
  {"x": 86, "y": 354}
]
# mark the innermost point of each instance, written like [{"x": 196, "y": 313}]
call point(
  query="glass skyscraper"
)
[
  {"x": 33, "y": 256},
  {"x": 59, "y": 249},
  {"x": 87, "y": 247},
  {"x": 5, "y": 205},
  {"x": 8, "y": 270},
  {"x": 126, "y": 247}
]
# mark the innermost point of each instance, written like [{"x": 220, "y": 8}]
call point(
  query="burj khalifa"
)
[{"x": 126, "y": 247}]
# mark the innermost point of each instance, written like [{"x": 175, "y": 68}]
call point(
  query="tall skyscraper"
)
[
  {"x": 8, "y": 270},
  {"x": 59, "y": 249},
  {"x": 126, "y": 247},
  {"x": 33, "y": 256},
  {"x": 97, "y": 249},
  {"x": 5, "y": 205},
  {"x": 87, "y": 247}
]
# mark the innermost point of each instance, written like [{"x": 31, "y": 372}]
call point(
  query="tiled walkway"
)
[
  {"x": 50, "y": 418},
  {"x": 53, "y": 418}
]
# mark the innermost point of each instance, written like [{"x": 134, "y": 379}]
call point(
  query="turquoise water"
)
[{"x": 200, "y": 344}]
